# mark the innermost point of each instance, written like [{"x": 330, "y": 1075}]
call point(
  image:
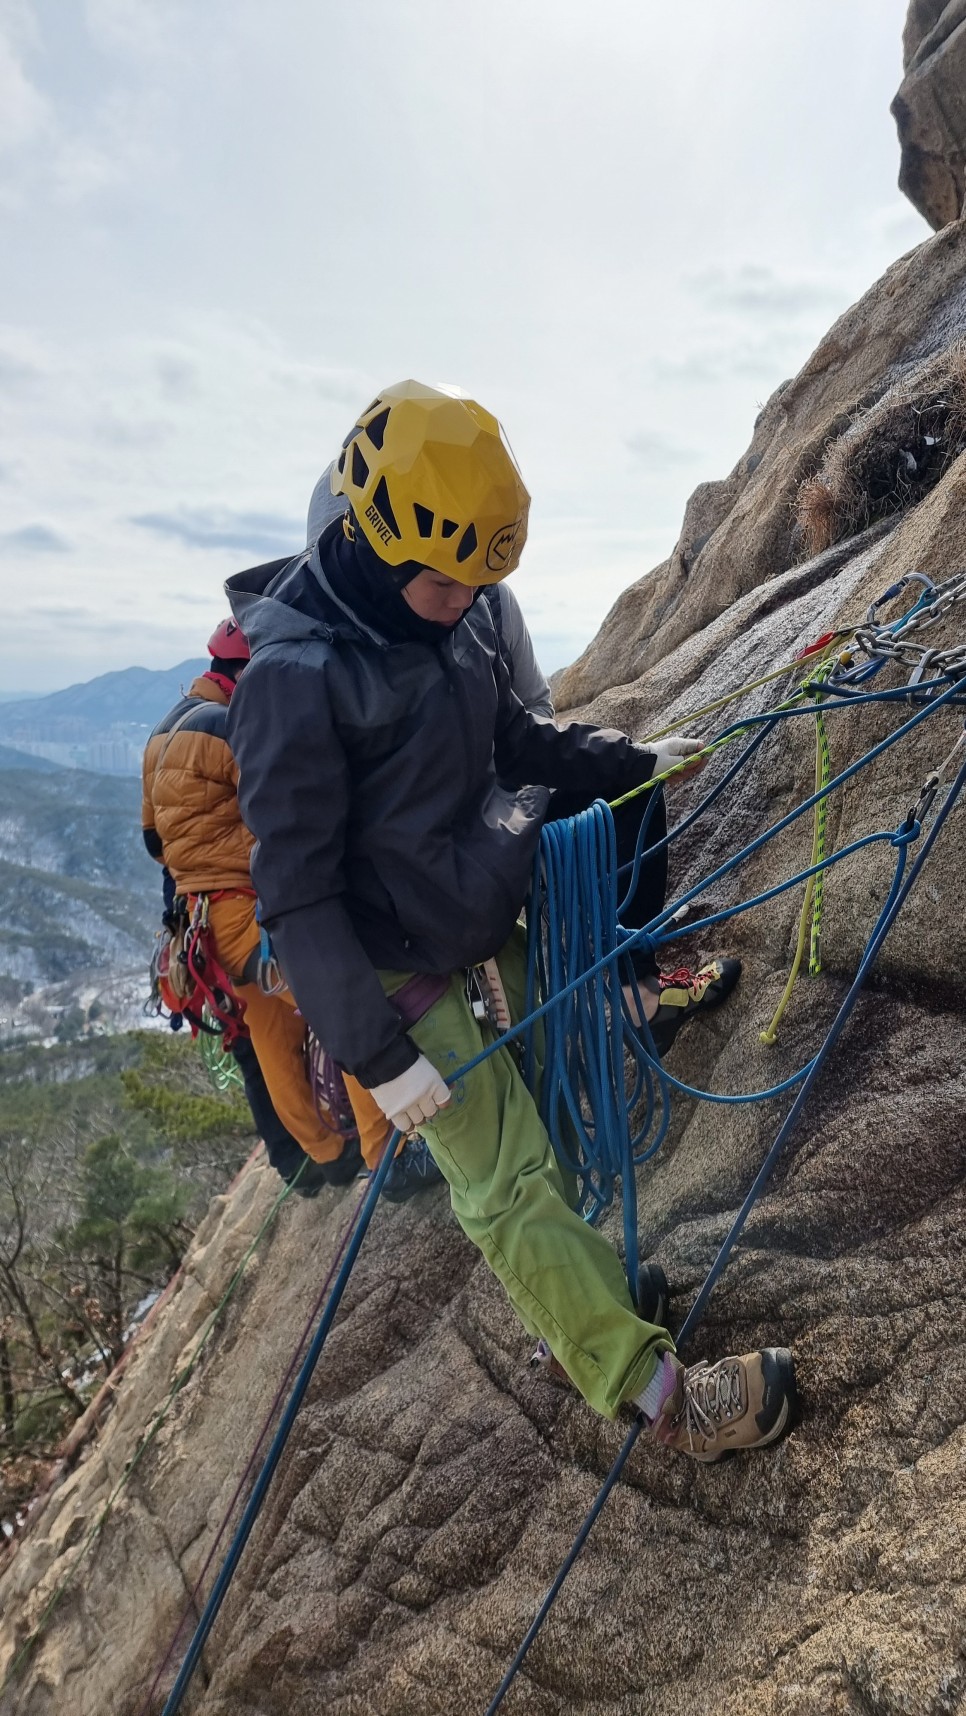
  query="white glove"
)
[
  {"x": 412, "y": 1097},
  {"x": 669, "y": 752}
]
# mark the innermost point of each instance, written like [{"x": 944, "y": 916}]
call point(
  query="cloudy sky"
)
[{"x": 224, "y": 225}]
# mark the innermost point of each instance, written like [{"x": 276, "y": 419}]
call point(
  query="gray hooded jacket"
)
[{"x": 380, "y": 782}]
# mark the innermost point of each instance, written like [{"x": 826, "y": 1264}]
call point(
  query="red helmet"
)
[{"x": 229, "y": 643}]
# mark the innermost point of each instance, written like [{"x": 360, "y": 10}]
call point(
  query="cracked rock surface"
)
[{"x": 432, "y": 1485}]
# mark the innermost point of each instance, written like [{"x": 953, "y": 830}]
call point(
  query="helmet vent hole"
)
[
  {"x": 342, "y": 461},
  {"x": 360, "y": 470},
  {"x": 376, "y": 430},
  {"x": 467, "y": 544},
  {"x": 384, "y": 506},
  {"x": 424, "y": 519},
  {"x": 449, "y": 527}
]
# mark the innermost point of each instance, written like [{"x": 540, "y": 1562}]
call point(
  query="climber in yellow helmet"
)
[{"x": 383, "y": 755}]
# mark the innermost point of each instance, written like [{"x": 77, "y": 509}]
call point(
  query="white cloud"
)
[
  {"x": 756, "y": 289},
  {"x": 135, "y": 31},
  {"x": 219, "y": 241},
  {"x": 24, "y": 114},
  {"x": 657, "y": 451}
]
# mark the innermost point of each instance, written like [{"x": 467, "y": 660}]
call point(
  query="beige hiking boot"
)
[{"x": 734, "y": 1405}]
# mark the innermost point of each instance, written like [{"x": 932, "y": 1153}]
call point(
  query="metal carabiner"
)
[
  {"x": 927, "y": 794},
  {"x": 476, "y": 995},
  {"x": 896, "y": 589},
  {"x": 925, "y": 661}
]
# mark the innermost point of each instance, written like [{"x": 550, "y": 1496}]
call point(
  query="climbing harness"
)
[
  {"x": 188, "y": 982},
  {"x": 212, "y": 985},
  {"x": 412, "y": 1001}
]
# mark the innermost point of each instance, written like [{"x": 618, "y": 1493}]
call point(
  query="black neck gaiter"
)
[{"x": 373, "y": 592}]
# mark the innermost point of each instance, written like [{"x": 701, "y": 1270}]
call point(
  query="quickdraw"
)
[{"x": 268, "y": 972}]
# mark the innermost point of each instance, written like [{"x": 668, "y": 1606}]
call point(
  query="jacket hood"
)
[{"x": 291, "y": 601}]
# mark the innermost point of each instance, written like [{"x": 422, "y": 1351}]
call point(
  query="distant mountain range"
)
[
  {"x": 101, "y": 724},
  {"x": 11, "y": 759}
]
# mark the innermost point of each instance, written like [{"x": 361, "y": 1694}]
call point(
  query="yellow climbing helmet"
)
[{"x": 430, "y": 477}]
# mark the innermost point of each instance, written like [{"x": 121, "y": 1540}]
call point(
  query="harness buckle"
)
[{"x": 476, "y": 995}]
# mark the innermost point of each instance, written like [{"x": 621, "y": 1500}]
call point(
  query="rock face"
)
[
  {"x": 432, "y": 1486},
  {"x": 930, "y": 109}
]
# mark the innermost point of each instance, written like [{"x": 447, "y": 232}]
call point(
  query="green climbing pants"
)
[{"x": 510, "y": 1198}]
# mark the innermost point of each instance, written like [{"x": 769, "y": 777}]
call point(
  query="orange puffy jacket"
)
[{"x": 189, "y": 808}]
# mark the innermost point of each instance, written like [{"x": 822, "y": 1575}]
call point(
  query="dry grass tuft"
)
[
  {"x": 818, "y": 510},
  {"x": 889, "y": 457}
]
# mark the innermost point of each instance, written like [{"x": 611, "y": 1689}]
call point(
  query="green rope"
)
[
  {"x": 220, "y": 1065},
  {"x": 810, "y": 917},
  {"x": 708, "y": 750},
  {"x": 770, "y": 1033},
  {"x": 811, "y": 913},
  {"x": 177, "y": 1385},
  {"x": 742, "y": 691}
]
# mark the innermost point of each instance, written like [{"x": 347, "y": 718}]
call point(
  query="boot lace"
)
[{"x": 712, "y": 1397}]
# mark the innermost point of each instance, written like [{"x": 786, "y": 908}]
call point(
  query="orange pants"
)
[{"x": 278, "y": 1038}]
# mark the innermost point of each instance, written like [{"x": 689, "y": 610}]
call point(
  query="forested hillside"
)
[{"x": 110, "y": 1151}]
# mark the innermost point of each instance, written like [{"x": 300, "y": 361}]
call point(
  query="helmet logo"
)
[
  {"x": 501, "y": 546},
  {"x": 378, "y": 523}
]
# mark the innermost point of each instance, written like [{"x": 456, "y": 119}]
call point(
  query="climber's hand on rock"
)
[{"x": 413, "y": 1097}]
